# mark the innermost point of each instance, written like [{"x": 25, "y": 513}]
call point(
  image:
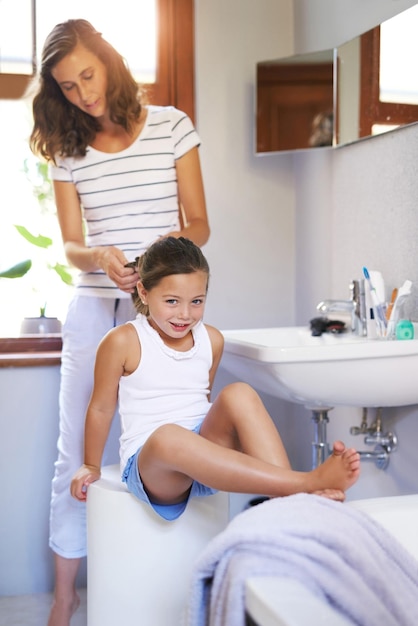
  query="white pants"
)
[{"x": 88, "y": 320}]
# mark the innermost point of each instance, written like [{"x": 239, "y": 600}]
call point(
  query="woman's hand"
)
[
  {"x": 113, "y": 261},
  {"x": 83, "y": 477}
]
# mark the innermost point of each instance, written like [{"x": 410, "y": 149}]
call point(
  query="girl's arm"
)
[
  {"x": 192, "y": 198},
  {"x": 107, "y": 258},
  {"x": 217, "y": 341},
  {"x": 111, "y": 360}
]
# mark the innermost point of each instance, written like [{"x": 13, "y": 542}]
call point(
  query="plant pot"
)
[{"x": 40, "y": 326}]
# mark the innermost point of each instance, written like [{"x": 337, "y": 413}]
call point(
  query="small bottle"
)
[{"x": 404, "y": 329}]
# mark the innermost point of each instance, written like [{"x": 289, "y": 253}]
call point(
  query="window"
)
[
  {"x": 389, "y": 87},
  {"x": 16, "y": 37},
  {"x": 172, "y": 82}
]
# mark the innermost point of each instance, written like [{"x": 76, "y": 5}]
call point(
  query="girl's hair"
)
[
  {"x": 61, "y": 128},
  {"x": 166, "y": 257}
]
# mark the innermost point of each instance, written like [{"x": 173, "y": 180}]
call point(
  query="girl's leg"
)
[
  {"x": 238, "y": 419},
  {"x": 258, "y": 436},
  {"x": 238, "y": 450}
]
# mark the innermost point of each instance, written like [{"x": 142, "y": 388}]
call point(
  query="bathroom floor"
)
[{"x": 33, "y": 610}]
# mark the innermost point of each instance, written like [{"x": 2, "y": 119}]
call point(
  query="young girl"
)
[{"x": 175, "y": 443}]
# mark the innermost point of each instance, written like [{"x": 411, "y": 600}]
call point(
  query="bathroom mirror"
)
[{"x": 367, "y": 86}]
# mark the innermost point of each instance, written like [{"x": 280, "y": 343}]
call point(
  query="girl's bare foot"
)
[
  {"x": 61, "y": 612},
  {"x": 339, "y": 471},
  {"x": 331, "y": 494}
]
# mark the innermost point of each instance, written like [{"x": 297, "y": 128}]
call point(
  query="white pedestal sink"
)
[{"x": 324, "y": 372}]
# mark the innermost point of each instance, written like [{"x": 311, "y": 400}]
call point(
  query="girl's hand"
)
[
  {"x": 112, "y": 261},
  {"x": 83, "y": 477}
]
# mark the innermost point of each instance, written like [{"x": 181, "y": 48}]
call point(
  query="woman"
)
[{"x": 124, "y": 175}]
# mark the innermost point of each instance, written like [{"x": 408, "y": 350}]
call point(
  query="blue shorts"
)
[{"x": 169, "y": 512}]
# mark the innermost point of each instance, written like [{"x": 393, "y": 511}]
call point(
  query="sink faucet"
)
[{"x": 356, "y": 306}]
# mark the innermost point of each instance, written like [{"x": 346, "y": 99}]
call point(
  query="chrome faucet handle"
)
[
  {"x": 355, "y": 295},
  {"x": 358, "y": 296}
]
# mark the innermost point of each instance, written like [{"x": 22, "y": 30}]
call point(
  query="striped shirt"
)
[{"x": 129, "y": 198}]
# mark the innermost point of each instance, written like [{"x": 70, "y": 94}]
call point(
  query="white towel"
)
[{"x": 342, "y": 555}]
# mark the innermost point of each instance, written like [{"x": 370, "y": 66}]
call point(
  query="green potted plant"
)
[
  {"x": 44, "y": 256},
  {"x": 42, "y": 323}
]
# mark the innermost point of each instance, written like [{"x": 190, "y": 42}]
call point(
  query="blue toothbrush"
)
[{"x": 378, "y": 309}]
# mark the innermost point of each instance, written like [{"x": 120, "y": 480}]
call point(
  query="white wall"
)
[
  {"x": 28, "y": 436},
  {"x": 323, "y": 24},
  {"x": 250, "y": 200}
]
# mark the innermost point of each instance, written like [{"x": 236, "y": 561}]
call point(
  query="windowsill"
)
[{"x": 30, "y": 350}]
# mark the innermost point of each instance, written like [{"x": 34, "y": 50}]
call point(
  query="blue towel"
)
[{"x": 339, "y": 553}]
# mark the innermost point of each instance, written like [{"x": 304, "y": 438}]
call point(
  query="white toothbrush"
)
[
  {"x": 403, "y": 292},
  {"x": 379, "y": 312}
]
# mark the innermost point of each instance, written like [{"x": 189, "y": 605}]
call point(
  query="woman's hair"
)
[
  {"x": 61, "y": 128},
  {"x": 166, "y": 257},
  {"x": 322, "y": 130}
]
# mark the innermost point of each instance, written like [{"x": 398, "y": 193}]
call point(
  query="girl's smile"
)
[{"x": 179, "y": 327}]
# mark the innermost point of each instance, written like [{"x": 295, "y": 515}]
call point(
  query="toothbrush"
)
[
  {"x": 403, "y": 291},
  {"x": 391, "y": 303},
  {"x": 379, "y": 312}
]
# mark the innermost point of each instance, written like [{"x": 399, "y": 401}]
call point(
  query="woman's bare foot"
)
[
  {"x": 61, "y": 612},
  {"x": 338, "y": 472}
]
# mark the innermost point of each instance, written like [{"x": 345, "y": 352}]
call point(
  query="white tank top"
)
[{"x": 167, "y": 387}]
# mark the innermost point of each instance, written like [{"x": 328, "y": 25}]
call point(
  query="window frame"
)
[
  {"x": 372, "y": 109},
  {"x": 174, "y": 83}
]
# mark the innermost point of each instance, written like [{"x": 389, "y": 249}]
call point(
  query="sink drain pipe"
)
[{"x": 384, "y": 443}]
